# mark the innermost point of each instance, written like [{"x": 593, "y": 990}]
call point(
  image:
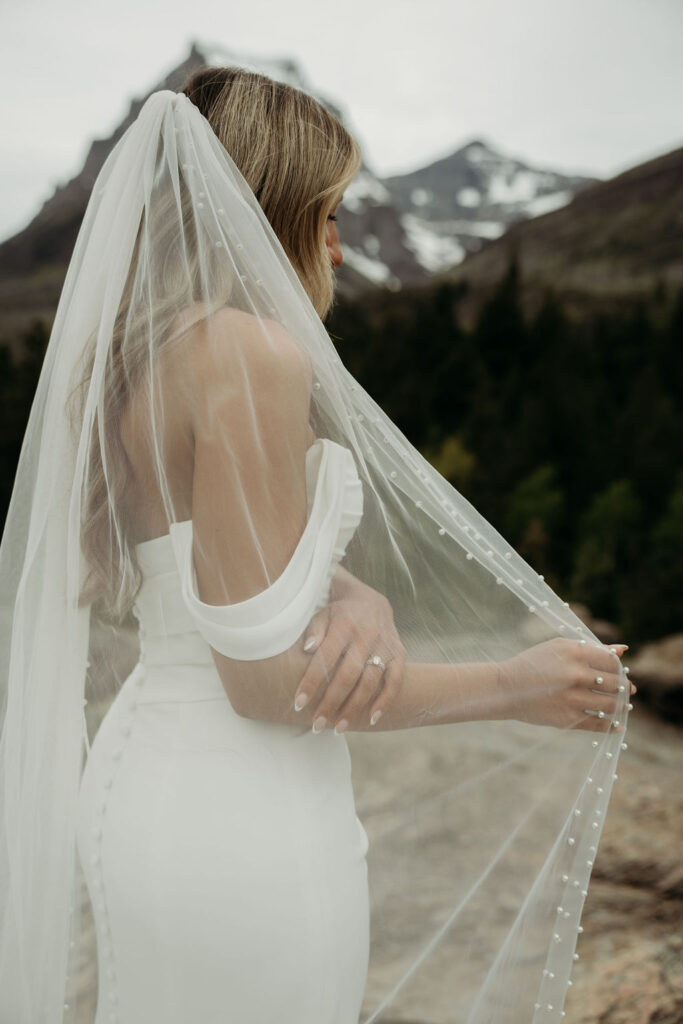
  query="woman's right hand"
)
[{"x": 554, "y": 682}]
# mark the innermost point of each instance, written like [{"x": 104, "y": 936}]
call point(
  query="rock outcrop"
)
[{"x": 657, "y": 671}]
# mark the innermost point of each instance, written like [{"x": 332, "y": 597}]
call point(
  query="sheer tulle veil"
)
[{"x": 482, "y": 834}]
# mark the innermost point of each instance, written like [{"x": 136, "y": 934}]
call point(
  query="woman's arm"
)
[
  {"x": 250, "y": 427},
  {"x": 249, "y": 416},
  {"x": 551, "y": 683},
  {"x": 429, "y": 694}
]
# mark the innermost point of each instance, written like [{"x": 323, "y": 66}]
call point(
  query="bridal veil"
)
[{"x": 482, "y": 834}]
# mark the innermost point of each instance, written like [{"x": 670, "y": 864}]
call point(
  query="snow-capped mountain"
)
[
  {"x": 454, "y": 205},
  {"x": 396, "y": 231},
  {"x": 410, "y": 226},
  {"x": 376, "y": 246}
]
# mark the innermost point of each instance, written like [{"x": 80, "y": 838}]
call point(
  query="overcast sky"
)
[{"x": 593, "y": 86}]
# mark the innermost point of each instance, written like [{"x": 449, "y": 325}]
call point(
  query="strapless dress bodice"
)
[{"x": 175, "y": 626}]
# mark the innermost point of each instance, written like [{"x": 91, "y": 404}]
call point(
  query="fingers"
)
[
  {"x": 336, "y": 664},
  {"x": 605, "y": 702},
  {"x": 320, "y": 670},
  {"x": 390, "y": 686},
  {"x": 604, "y": 662},
  {"x": 609, "y": 684},
  {"x": 318, "y": 675},
  {"x": 591, "y": 723},
  {"x": 340, "y": 642},
  {"x": 600, "y": 681},
  {"x": 317, "y": 629},
  {"x": 602, "y": 697},
  {"x": 376, "y": 686},
  {"x": 354, "y": 686},
  {"x": 605, "y": 658}
]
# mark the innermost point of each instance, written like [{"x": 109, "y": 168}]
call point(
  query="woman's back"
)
[{"x": 185, "y": 375}]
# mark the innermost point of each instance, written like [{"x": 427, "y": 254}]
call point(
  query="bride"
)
[{"x": 222, "y": 547}]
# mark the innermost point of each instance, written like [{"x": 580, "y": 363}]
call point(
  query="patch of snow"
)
[
  {"x": 477, "y": 153},
  {"x": 469, "y": 197},
  {"x": 432, "y": 251},
  {"x": 519, "y": 187},
  {"x": 421, "y": 196},
  {"x": 545, "y": 204},
  {"x": 371, "y": 244},
  {"x": 365, "y": 188},
  {"x": 373, "y": 269},
  {"x": 479, "y": 228}
]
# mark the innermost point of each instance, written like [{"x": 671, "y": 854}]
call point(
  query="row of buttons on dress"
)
[{"x": 108, "y": 967}]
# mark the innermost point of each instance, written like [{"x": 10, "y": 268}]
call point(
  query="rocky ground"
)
[
  {"x": 630, "y": 969},
  {"x": 631, "y": 966}
]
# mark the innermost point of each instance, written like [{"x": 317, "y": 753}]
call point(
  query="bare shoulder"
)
[
  {"x": 232, "y": 369},
  {"x": 217, "y": 351}
]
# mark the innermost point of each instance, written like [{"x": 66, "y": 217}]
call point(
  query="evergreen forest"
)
[{"x": 566, "y": 434}]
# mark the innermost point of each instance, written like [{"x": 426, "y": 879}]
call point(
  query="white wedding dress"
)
[{"x": 242, "y": 898}]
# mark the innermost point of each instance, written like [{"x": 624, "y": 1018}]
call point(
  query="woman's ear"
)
[{"x": 333, "y": 244}]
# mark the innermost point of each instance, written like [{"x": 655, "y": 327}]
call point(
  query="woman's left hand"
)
[{"x": 357, "y": 624}]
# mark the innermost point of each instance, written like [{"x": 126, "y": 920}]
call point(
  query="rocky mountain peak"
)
[{"x": 394, "y": 231}]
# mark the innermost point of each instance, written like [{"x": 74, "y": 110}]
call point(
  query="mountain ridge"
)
[
  {"x": 618, "y": 239},
  {"x": 405, "y": 229}
]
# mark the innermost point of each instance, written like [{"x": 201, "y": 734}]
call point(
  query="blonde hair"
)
[
  {"x": 297, "y": 158},
  {"x": 295, "y": 155}
]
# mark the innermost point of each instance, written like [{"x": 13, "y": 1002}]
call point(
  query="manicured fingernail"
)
[
  {"x": 341, "y": 726},
  {"x": 319, "y": 723},
  {"x": 375, "y": 718},
  {"x": 311, "y": 642},
  {"x": 300, "y": 701}
]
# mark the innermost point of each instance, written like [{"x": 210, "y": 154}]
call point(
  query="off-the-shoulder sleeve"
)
[{"x": 272, "y": 620}]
